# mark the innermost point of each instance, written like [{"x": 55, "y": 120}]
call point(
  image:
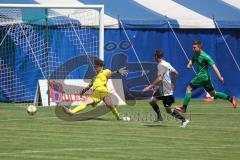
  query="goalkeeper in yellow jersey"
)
[{"x": 100, "y": 90}]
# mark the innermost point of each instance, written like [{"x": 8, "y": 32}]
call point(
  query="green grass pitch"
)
[{"x": 214, "y": 133}]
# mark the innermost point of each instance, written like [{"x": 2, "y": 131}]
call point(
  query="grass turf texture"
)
[{"x": 213, "y": 134}]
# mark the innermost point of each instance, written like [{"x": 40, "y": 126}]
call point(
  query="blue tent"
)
[
  {"x": 152, "y": 24},
  {"x": 168, "y": 25}
]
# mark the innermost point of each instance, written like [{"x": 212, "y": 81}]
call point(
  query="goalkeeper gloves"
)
[{"x": 83, "y": 91}]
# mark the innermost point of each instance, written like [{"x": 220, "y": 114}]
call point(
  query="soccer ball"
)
[
  {"x": 31, "y": 110},
  {"x": 127, "y": 119}
]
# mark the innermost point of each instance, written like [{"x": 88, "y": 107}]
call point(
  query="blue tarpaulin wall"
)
[
  {"x": 146, "y": 42},
  {"x": 119, "y": 52},
  {"x": 147, "y": 29}
]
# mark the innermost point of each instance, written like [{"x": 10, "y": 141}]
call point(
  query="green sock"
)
[
  {"x": 187, "y": 99},
  {"x": 222, "y": 95}
]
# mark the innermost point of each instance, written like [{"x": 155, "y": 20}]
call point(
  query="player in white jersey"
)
[{"x": 163, "y": 88}]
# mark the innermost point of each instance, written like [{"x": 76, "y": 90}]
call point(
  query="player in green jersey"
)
[{"x": 202, "y": 78}]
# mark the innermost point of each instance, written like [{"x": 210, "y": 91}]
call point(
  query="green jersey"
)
[{"x": 203, "y": 60}]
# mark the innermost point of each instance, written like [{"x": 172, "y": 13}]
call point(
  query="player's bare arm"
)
[
  {"x": 175, "y": 77},
  {"x": 217, "y": 73},
  {"x": 189, "y": 65},
  {"x": 155, "y": 82}
]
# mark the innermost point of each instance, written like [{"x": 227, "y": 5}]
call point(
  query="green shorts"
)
[{"x": 202, "y": 82}]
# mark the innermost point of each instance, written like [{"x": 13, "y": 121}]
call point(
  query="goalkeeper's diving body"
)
[
  {"x": 202, "y": 78},
  {"x": 100, "y": 90}
]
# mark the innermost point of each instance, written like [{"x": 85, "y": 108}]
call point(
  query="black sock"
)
[
  {"x": 156, "y": 109},
  {"x": 178, "y": 115}
]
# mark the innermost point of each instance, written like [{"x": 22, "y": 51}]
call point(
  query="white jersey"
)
[{"x": 165, "y": 69}]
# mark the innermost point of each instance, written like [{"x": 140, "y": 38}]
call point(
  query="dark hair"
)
[
  {"x": 197, "y": 42},
  {"x": 98, "y": 62},
  {"x": 159, "y": 54}
]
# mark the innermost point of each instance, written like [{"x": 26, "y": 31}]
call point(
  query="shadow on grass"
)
[
  {"x": 93, "y": 114},
  {"x": 158, "y": 125}
]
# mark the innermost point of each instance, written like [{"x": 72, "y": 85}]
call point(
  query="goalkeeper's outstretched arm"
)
[{"x": 121, "y": 71}]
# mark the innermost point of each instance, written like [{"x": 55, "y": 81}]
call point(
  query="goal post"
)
[
  {"x": 100, "y": 9},
  {"x": 39, "y": 41}
]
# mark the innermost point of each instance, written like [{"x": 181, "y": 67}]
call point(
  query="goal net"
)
[{"x": 46, "y": 42}]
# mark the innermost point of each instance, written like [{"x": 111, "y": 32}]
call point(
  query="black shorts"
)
[{"x": 166, "y": 100}]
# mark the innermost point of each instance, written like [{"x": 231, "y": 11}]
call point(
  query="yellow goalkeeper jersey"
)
[{"x": 100, "y": 80}]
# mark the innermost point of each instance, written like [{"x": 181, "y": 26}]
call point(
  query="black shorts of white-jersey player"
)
[{"x": 163, "y": 88}]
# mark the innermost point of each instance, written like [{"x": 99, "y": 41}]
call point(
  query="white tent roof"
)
[{"x": 156, "y": 13}]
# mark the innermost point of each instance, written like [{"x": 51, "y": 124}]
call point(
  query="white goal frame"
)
[
  {"x": 100, "y": 8},
  {"x": 18, "y": 90}
]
